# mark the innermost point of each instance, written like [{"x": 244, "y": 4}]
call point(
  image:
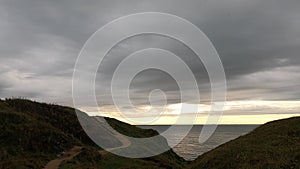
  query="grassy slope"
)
[
  {"x": 165, "y": 160},
  {"x": 34, "y": 133},
  {"x": 274, "y": 145}
]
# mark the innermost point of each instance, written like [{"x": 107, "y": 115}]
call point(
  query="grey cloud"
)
[{"x": 42, "y": 39}]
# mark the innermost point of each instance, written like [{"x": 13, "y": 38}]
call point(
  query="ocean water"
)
[{"x": 190, "y": 148}]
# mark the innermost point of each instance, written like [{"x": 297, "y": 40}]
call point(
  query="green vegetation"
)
[
  {"x": 32, "y": 134},
  {"x": 274, "y": 145},
  {"x": 88, "y": 158},
  {"x": 130, "y": 130}
]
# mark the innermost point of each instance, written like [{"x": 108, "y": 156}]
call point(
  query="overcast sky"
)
[{"x": 258, "y": 42}]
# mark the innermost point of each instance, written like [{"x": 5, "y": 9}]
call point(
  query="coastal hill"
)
[
  {"x": 39, "y": 135},
  {"x": 35, "y": 135},
  {"x": 274, "y": 145}
]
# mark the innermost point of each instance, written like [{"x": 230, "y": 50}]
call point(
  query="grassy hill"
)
[
  {"x": 34, "y": 133},
  {"x": 29, "y": 139},
  {"x": 274, "y": 145}
]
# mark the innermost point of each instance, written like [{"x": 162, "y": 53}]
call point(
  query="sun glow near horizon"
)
[{"x": 234, "y": 112}]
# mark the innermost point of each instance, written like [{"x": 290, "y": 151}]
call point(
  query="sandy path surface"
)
[
  {"x": 125, "y": 143},
  {"x": 69, "y": 155},
  {"x": 54, "y": 164}
]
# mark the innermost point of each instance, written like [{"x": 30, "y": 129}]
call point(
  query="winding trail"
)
[
  {"x": 54, "y": 164},
  {"x": 69, "y": 155},
  {"x": 125, "y": 143}
]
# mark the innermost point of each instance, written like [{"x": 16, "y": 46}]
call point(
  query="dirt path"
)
[
  {"x": 69, "y": 155},
  {"x": 54, "y": 164},
  {"x": 125, "y": 143}
]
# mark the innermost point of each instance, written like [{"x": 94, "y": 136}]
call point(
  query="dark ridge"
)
[
  {"x": 274, "y": 145},
  {"x": 32, "y": 134}
]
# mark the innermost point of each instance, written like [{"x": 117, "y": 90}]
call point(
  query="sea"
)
[{"x": 190, "y": 148}]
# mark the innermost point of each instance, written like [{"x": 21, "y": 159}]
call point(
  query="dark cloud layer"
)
[{"x": 258, "y": 43}]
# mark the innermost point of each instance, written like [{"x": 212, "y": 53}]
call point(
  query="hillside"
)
[
  {"x": 274, "y": 145},
  {"x": 32, "y": 134}
]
